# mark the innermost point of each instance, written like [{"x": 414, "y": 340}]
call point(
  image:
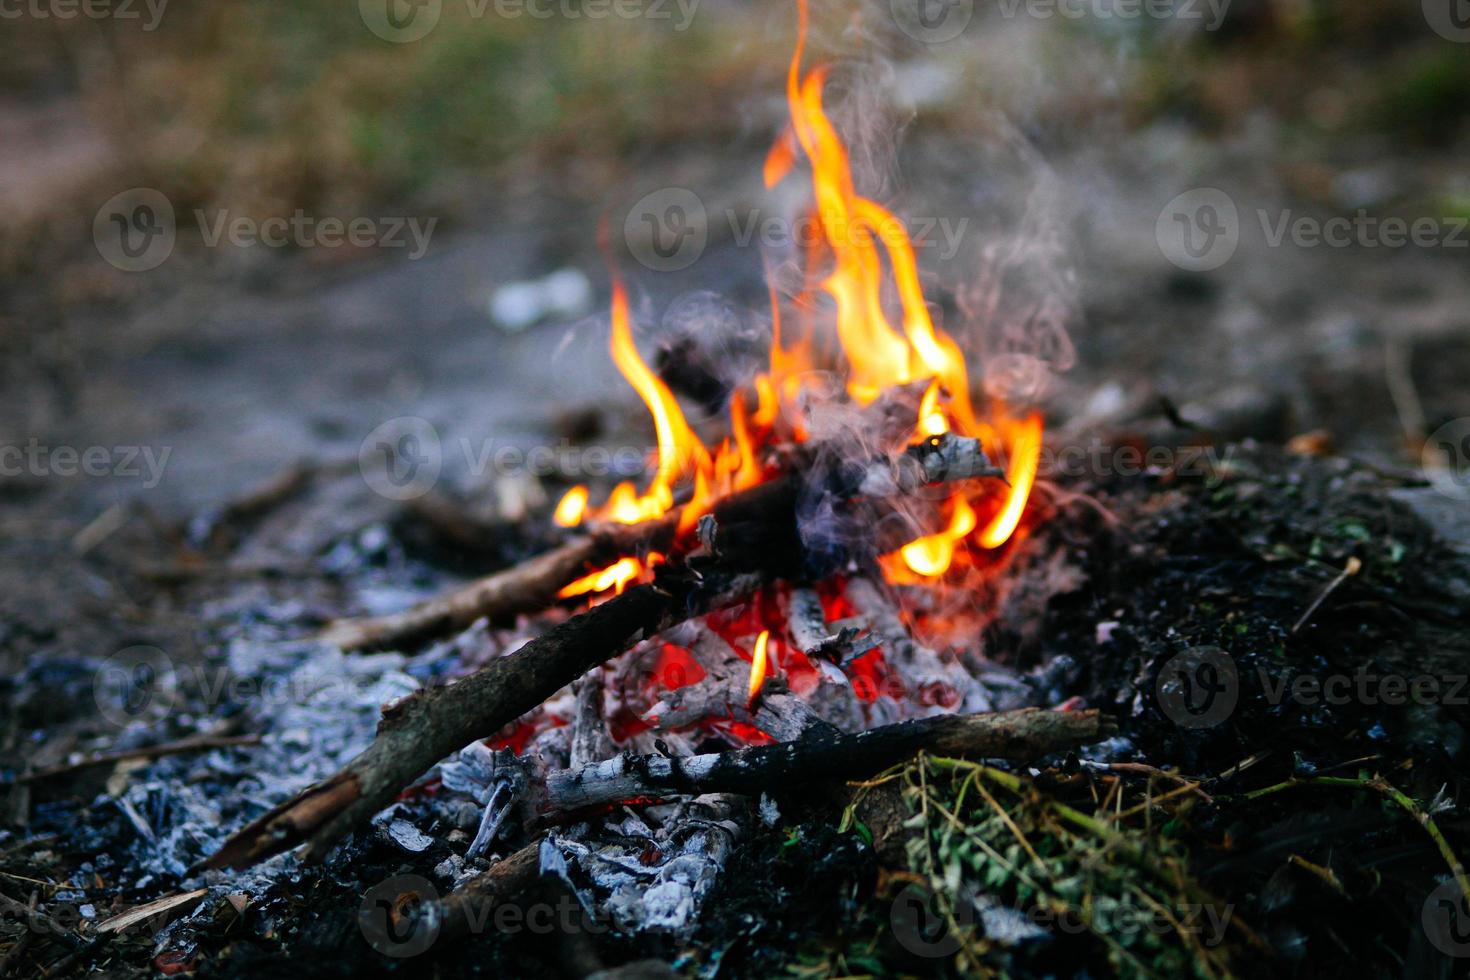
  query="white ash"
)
[
  {"x": 409, "y": 837},
  {"x": 608, "y": 865}
]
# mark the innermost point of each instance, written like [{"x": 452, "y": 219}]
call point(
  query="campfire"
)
[
  {"x": 796, "y": 598},
  {"x": 852, "y": 667}
]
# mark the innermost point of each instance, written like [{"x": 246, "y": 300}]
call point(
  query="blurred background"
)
[{"x": 479, "y": 144}]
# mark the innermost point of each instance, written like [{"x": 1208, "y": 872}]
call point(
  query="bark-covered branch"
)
[{"x": 824, "y": 755}]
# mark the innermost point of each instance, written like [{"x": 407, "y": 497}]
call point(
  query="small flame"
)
[
  {"x": 1025, "y": 449},
  {"x": 758, "y": 664},
  {"x": 931, "y": 420},
  {"x": 571, "y": 508},
  {"x": 930, "y": 556},
  {"x": 615, "y": 576}
]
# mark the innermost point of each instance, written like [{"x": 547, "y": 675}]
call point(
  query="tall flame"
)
[{"x": 879, "y": 356}]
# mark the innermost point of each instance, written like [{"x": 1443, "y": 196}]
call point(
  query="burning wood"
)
[{"x": 538, "y": 582}]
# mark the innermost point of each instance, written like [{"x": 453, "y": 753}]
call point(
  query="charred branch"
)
[{"x": 1020, "y": 735}]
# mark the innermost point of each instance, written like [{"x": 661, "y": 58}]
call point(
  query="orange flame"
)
[
  {"x": 930, "y": 556},
  {"x": 879, "y": 356},
  {"x": 1025, "y": 449},
  {"x": 758, "y": 665},
  {"x": 615, "y": 576},
  {"x": 571, "y": 508}
]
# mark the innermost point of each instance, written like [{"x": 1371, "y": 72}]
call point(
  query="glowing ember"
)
[{"x": 758, "y": 664}]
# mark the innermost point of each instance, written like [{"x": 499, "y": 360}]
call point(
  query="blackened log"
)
[{"x": 1022, "y": 735}]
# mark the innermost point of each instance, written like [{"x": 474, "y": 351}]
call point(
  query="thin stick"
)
[
  {"x": 1382, "y": 786},
  {"x": 198, "y": 743}
]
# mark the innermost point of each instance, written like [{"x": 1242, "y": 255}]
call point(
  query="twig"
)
[
  {"x": 198, "y": 743},
  {"x": 1403, "y": 392},
  {"x": 1383, "y": 787},
  {"x": 1353, "y": 566}
]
